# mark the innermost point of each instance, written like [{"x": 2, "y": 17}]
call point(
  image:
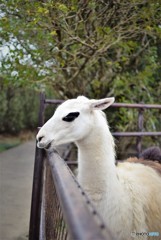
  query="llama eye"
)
[{"x": 71, "y": 116}]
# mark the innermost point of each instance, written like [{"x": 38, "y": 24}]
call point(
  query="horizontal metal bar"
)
[
  {"x": 117, "y": 105},
  {"x": 81, "y": 223},
  {"x": 53, "y": 101},
  {"x": 135, "y": 134},
  {"x": 136, "y": 105}
]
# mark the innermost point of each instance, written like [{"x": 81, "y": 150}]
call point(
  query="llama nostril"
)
[{"x": 40, "y": 138}]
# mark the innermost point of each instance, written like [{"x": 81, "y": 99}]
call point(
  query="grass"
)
[
  {"x": 6, "y": 146},
  {"x": 8, "y": 141}
]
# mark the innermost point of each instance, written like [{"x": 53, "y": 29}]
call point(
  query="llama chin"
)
[{"x": 128, "y": 196}]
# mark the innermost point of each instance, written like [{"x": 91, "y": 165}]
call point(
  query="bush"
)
[{"x": 18, "y": 110}]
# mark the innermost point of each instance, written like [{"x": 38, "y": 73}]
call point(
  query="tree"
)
[
  {"x": 91, "y": 47},
  {"x": 96, "y": 48}
]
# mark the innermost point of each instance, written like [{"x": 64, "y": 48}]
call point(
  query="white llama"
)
[{"x": 128, "y": 196}]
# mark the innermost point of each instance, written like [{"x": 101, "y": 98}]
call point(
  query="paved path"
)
[{"x": 16, "y": 173}]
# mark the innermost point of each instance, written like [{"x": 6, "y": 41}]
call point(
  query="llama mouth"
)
[{"x": 48, "y": 146}]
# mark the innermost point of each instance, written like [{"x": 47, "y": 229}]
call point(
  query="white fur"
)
[{"x": 128, "y": 196}]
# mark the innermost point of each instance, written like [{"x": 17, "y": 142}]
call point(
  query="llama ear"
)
[{"x": 101, "y": 104}]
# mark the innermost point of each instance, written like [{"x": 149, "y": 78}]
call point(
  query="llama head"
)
[{"x": 72, "y": 121}]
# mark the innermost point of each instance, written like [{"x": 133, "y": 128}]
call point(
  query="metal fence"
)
[
  {"x": 67, "y": 211},
  {"x": 60, "y": 209},
  {"x": 54, "y": 224}
]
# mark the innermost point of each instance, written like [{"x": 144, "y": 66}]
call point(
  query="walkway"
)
[{"x": 16, "y": 173}]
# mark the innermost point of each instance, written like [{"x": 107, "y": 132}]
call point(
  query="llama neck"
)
[
  {"x": 96, "y": 159},
  {"x": 97, "y": 175}
]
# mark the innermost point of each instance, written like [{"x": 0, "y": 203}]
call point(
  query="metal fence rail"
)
[
  {"x": 60, "y": 209},
  {"x": 68, "y": 211}
]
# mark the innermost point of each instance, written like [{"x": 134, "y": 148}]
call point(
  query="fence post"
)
[{"x": 35, "y": 215}]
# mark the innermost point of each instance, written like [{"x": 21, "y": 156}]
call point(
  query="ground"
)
[{"x": 16, "y": 174}]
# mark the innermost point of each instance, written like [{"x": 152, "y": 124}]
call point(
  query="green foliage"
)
[
  {"x": 85, "y": 47},
  {"x": 19, "y": 110}
]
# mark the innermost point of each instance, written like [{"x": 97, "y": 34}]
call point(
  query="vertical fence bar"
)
[
  {"x": 140, "y": 129},
  {"x": 35, "y": 216}
]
